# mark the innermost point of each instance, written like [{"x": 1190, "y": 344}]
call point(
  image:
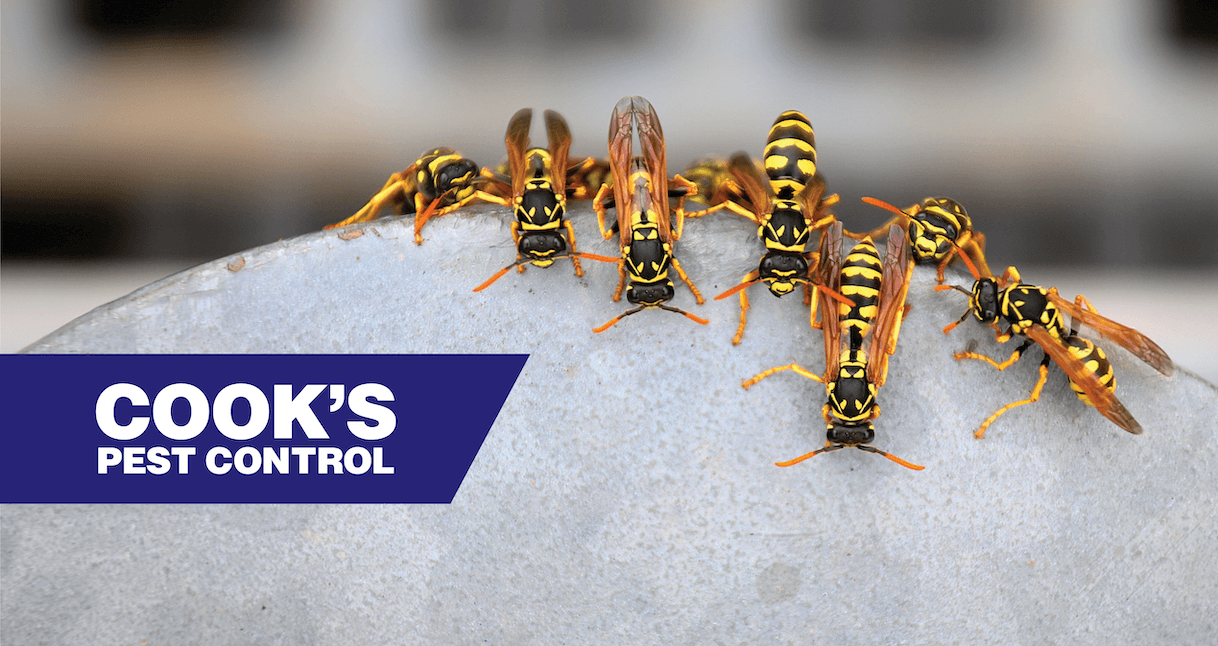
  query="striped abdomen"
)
[
  {"x": 861, "y": 274},
  {"x": 1095, "y": 361},
  {"x": 790, "y": 154}
]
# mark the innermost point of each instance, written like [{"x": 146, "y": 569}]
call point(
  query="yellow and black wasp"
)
[
  {"x": 538, "y": 193},
  {"x": 787, "y": 206},
  {"x": 440, "y": 181},
  {"x": 646, "y": 229},
  {"x": 1035, "y": 313},
  {"x": 714, "y": 183},
  {"x": 869, "y": 327},
  {"x": 938, "y": 229}
]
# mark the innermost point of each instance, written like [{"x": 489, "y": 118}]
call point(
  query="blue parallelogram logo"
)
[{"x": 245, "y": 428}]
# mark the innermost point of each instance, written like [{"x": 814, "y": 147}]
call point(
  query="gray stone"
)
[{"x": 627, "y": 493}]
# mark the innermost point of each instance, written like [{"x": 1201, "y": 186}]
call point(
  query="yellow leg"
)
[
  {"x": 599, "y": 207},
  {"x": 681, "y": 272},
  {"x": 394, "y": 191},
  {"x": 744, "y": 306},
  {"x": 678, "y": 214},
  {"x": 579, "y": 271},
  {"x": 621, "y": 281},
  {"x": 794, "y": 367},
  {"x": 1000, "y": 366},
  {"x": 1040, "y": 384}
]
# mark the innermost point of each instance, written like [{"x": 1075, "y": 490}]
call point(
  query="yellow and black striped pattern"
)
[
  {"x": 790, "y": 154},
  {"x": 1024, "y": 305},
  {"x": 1095, "y": 361},
  {"x": 861, "y": 273}
]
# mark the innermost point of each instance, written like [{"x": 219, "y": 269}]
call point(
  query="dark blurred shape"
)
[
  {"x": 472, "y": 18},
  {"x": 1195, "y": 21},
  {"x": 939, "y": 24},
  {"x": 42, "y": 226},
  {"x": 109, "y": 20},
  {"x": 529, "y": 24}
]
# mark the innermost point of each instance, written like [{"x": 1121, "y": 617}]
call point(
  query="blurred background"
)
[{"x": 140, "y": 138}]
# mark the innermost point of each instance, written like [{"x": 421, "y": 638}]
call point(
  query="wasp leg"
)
[
  {"x": 516, "y": 243},
  {"x": 621, "y": 281},
  {"x": 1040, "y": 384},
  {"x": 744, "y": 305},
  {"x": 679, "y": 213},
  {"x": 579, "y": 271},
  {"x": 1000, "y": 366},
  {"x": 794, "y": 367},
  {"x": 726, "y": 204},
  {"x": 599, "y": 207},
  {"x": 681, "y": 272},
  {"x": 393, "y": 192}
]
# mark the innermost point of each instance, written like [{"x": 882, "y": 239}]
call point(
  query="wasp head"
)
[
  {"x": 851, "y": 434},
  {"x": 984, "y": 300},
  {"x": 650, "y": 294},
  {"x": 454, "y": 174},
  {"x": 542, "y": 247},
  {"x": 782, "y": 272}
]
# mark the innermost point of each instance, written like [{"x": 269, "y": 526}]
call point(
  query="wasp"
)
[
  {"x": 538, "y": 189},
  {"x": 1036, "y": 314},
  {"x": 714, "y": 182},
  {"x": 788, "y": 206},
  {"x": 938, "y": 228},
  {"x": 646, "y": 229},
  {"x": 440, "y": 181},
  {"x": 869, "y": 327}
]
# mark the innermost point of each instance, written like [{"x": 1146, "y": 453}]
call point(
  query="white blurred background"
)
[{"x": 139, "y": 138}]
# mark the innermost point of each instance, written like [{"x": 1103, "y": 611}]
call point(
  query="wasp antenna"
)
[
  {"x": 789, "y": 463},
  {"x": 687, "y": 315},
  {"x": 908, "y": 465},
  {"x": 883, "y": 205},
  {"x": 496, "y": 277},
  {"x": 835, "y": 295},
  {"x": 967, "y": 261},
  {"x": 943, "y": 288},
  {"x": 617, "y": 318},
  {"x": 736, "y": 289},
  {"x": 592, "y": 256},
  {"x": 958, "y": 321}
]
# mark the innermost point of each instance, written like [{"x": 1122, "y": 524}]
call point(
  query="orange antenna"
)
[
  {"x": 884, "y": 205},
  {"x": 496, "y": 277},
  {"x": 736, "y": 289},
  {"x": 969, "y": 263},
  {"x": 525, "y": 261},
  {"x": 908, "y": 465},
  {"x": 829, "y": 447},
  {"x": 640, "y": 308},
  {"x": 835, "y": 295}
]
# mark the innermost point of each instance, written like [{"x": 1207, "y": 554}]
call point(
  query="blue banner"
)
[{"x": 245, "y": 428}]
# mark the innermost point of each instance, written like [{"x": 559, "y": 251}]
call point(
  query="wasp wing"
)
[
  {"x": 1103, "y": 399},
  {"x": 560, "y": 147},
  {"x": 829, "y": 274},
  {"x": 517, "y": 141},
  {"x": 621, "y": 135},
  {"x": 1126, "y": 337},
  {"x": 651, "y": 139},
  {"x": 744, "y": 172},
  {"x": 894, "y": 287}
]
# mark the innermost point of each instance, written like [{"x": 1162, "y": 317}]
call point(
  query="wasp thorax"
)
[
  {"x": 984, "y": 300},
  {"x": 650, "y": 294}
]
